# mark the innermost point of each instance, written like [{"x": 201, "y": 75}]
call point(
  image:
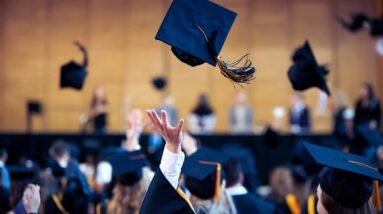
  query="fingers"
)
[
  {"x": 164, "y": 118},
  {"x": 180, "y": 126},
  {"x": 154, "y": 118}
]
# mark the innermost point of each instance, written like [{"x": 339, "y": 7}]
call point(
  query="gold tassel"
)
[
  {"x": 217, "y": 193},
  {"x": 217, "y": 188},
  {"x": 376, "y": 196}
]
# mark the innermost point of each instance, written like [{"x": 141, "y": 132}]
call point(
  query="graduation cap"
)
[
  {"x": 34, "y": 107},
  {"x": 356, "y": 23},
  {"x": 305, "y": 72},
  {"x": 203, "y": 173},
  {"x": 127, "y": 166},
  {"x": 21, "y": 172},
  {"x": 347, "y": 178},
  {"x": 73, "y": 74},
  {"x": 196, "y": 31},
  {"x": 159, "y": 83},
  {"x": 376, "y": 27},
  {"x": 371, "y": 136}
]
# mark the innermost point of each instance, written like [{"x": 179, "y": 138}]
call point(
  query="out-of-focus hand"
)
[
  {"x": 190, "y": 144},
  {"x": 31, "y": 198},
  {"x": 172, "y": 135},
  {"x": 133, "y": 130},
  {"x": 80, "y": 46}
]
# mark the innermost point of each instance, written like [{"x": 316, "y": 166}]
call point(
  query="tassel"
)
[
  {"x": 237, "y": 74},
  {"x": 376, "y": 196},
  {"x": 217, "y": 193},
  {"x": 234, "y": 72}
]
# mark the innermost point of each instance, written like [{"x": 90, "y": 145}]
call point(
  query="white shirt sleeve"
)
[
  {"x": 171, "y": 165},
  {"x": 104, "y": 173}
]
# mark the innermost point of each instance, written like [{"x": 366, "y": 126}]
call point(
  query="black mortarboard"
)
[
  {"x": 203, "y": 173},
  {"x": 34, "y": 107},
  {"x": 72, "y": 75},
  {"x": 196, "y": 30},
  {"x": 376, "y": 27},
  {"x": 127, "y": 166},
  {"x": 159, "y": 83},
  {"x": 356, "y": 23},
  {"x": 347, "y": 178},
  {"x": 371, "y": 136},
  {"x": 305, "y": 71},
  {"x": 21, "y": 172}
]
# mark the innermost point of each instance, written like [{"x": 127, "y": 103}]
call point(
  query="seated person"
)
[
  {"x": 133, "y": 179},
  {"x": 244, "y": 201},
  {"x": 204, "y": 179}
]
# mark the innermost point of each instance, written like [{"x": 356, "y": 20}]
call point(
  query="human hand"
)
[
  {"x": 172, "y": 135},
  {"x": 80, "y": 46},
  {"x": 133, "y": 130},
  {"x": 31, "y": 198}
]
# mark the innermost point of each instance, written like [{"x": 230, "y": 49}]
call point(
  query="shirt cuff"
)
[{"x": 171, "y": 165}]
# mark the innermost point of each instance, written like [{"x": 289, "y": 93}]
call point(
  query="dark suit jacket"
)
[
  {"x": 303, "y": 119},
  {"x": 162, "y": 198}
]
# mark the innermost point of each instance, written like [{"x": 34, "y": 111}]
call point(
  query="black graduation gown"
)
[
  {"x": 248, "y": 203},
  {"x": 161, "y": 197}
]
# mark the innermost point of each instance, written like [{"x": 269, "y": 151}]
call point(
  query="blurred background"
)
[{"x": 36, "y": 39}]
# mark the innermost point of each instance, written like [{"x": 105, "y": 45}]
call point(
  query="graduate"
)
[
  {"x": 347, "y": 182},
  {"x": 244, "y": 201},
  {"x": 205, "y": 180},
  {"x": 164, "y": 194}
]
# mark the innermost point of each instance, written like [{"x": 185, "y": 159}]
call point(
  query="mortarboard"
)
[
  {"x": 356, "y": 23},
  {"x": 203, "y": 173},
  {"x": 347, "y": 178},
  {"x": 34, "y": 107},
  {"x": 21, "y": 172},
  {"x": 159, "y": 83},
  {"x": 196, "y": 31},
  {"x": 305, "y": 71},
  {"x": 376, "y": 27},
  {"x": 73, "y": 74},
  {"x": 127, "y": 166}
]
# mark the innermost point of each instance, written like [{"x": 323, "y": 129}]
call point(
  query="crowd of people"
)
[{"x": 191, "y": 178}]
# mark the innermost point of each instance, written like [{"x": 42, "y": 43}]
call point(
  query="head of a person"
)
[
  {"x": 168, "y": 100},
  {"x": 337, "y": 101},
  {"x": 203, "y": 189},
  {"x": 240, "y": 98},
  {"x": 203, "y": 100},
  {"x": 281, "y": 181},
  {"x": 297, "y": 98},
  {"x": 344, "y": 193},
  {"x": 3, "y": 154},
  {"x": 367, "y": 91},
  {"x": 233, "y": 172},
  {"x": 128, "y": 195},
  {"x": 60, "y": 152},
  {"x": 99, "y": 92}
]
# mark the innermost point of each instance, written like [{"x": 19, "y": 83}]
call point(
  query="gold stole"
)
[{"x": 292, "y": 203}]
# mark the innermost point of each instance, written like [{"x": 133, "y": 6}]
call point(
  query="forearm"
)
[{"x": 171, "y": 164}]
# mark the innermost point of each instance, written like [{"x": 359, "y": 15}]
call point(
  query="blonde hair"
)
[
  {"x": 128, "y": 199},
  {"x": 224, "y": 206}
]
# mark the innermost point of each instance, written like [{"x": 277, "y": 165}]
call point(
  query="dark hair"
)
[
  {"x": 233, "y": 170},
  {"x": 59, "y": 148},
  {"x": 370, "y": 91},
  {"x": 203, "y": 107},
  {"x": 333, "y": 206}
]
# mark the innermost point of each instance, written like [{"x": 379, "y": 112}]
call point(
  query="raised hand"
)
[
  {"x": 172, "y": 135},
  {"x": 31, "y": 198},
  {"x": 79, "y": 45},
  {"x": 133, "y": 130}
]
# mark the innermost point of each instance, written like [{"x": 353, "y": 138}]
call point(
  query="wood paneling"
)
[{"x": 36, "y": 39}]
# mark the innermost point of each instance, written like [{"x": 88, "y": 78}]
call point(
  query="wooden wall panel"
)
[{"x": 36, "y": 39}]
